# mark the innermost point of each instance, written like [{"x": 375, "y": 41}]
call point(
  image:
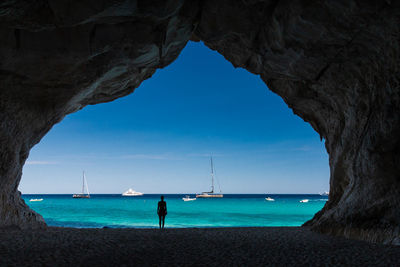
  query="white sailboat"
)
[
  {"x": 211, "y": 194},
  {"x": 132, "y": 193},
  {"x": 83, "y": 195}
]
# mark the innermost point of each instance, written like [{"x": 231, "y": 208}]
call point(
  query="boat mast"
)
[
  {"x": 87, "y": 187},
  {"x": 212, "y": 176},
  {"x": 83, "y": 183}
]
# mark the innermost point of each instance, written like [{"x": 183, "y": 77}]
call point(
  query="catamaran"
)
[
  {"x": 83, "y": 195},
  {"x": 211, "y": 193}
]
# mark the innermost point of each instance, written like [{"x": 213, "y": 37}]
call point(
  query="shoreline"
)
[{"x": 57, "y": 246}]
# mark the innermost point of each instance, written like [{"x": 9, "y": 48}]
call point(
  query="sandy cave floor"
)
[{"x": 279, "y": 246}]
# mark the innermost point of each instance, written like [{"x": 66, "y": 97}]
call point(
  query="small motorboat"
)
[
  {"x": 36, "y": 199},
  {"x": 269, "y": 199},
  {"x": 304, "y": 200},
  {"x": 188, "y": 198}
]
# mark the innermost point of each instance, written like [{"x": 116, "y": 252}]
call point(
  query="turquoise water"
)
[{"x": 232, "y": 210}]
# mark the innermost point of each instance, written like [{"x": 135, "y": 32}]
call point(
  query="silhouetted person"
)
[{"x": 162, "y": 211}]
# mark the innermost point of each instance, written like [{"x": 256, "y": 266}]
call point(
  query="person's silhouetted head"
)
[{"x": 162, "y": 198}]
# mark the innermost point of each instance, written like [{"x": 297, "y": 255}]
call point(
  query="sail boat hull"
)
[
  {"x": 209, "y": 195},
  {"x": 80, "y": 196}
]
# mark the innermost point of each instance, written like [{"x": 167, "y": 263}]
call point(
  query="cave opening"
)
[
  {"x": 158, "y": 140},
  {"x": 334, "y": 64}
]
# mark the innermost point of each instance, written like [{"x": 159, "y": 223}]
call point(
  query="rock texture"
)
[
  {"x": 58, "y": 56},
  {"x": 335, "y": 63},
  {"x": 292, "y": 246}
]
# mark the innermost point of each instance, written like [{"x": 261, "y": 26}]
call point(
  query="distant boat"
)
[
  {"x": 83, "y": 195},
  {"x": 304, "y": 200},
  {"x": 36, "y": 199},
  {"x": 211, "y": 194},
  {"x": 188, "y": 198},
  {"x": 269, "y": 199},
  {"x": 326, "y": 193},
  {"x": 131, "y": 193}
]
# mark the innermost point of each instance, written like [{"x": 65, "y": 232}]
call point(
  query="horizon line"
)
[{"x": 175, "y": 194}]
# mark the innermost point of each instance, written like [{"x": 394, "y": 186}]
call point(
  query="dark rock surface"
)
[
  {"x": 58, "y": 56},
  {"x": 261, "y": 246},
  {"x": 335, "y": 63}
]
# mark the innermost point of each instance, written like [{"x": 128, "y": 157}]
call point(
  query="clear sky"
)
[{"x": 158, "y": 139}]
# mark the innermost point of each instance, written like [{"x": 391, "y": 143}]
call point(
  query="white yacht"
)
[
  {"x": 132, "y": 193},
  {"x": 304, "y": 200},
  {"x": 188, "y": 198},
  {"x": 269, "y": 199}
]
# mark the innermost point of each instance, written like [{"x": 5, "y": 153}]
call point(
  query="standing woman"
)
[{"x": 162, "y": 211}]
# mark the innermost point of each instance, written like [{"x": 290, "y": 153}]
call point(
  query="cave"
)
[{"x": 334, "y": 63}]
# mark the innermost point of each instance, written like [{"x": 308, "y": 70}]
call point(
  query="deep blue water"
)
[{"x": 232, "y": 210}]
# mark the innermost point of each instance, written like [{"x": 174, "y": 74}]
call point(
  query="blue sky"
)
[{"x": 158, "y": 139}]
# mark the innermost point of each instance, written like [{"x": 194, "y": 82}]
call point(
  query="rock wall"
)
[
  {"x": 335, "y": 63},
  {"x": 56, "y": 57}
]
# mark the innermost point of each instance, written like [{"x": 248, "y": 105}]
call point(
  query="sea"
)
[{"x": 233, "y": 210}]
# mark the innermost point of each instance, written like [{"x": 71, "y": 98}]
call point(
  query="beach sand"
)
[{"x": 276, "y": 246}]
